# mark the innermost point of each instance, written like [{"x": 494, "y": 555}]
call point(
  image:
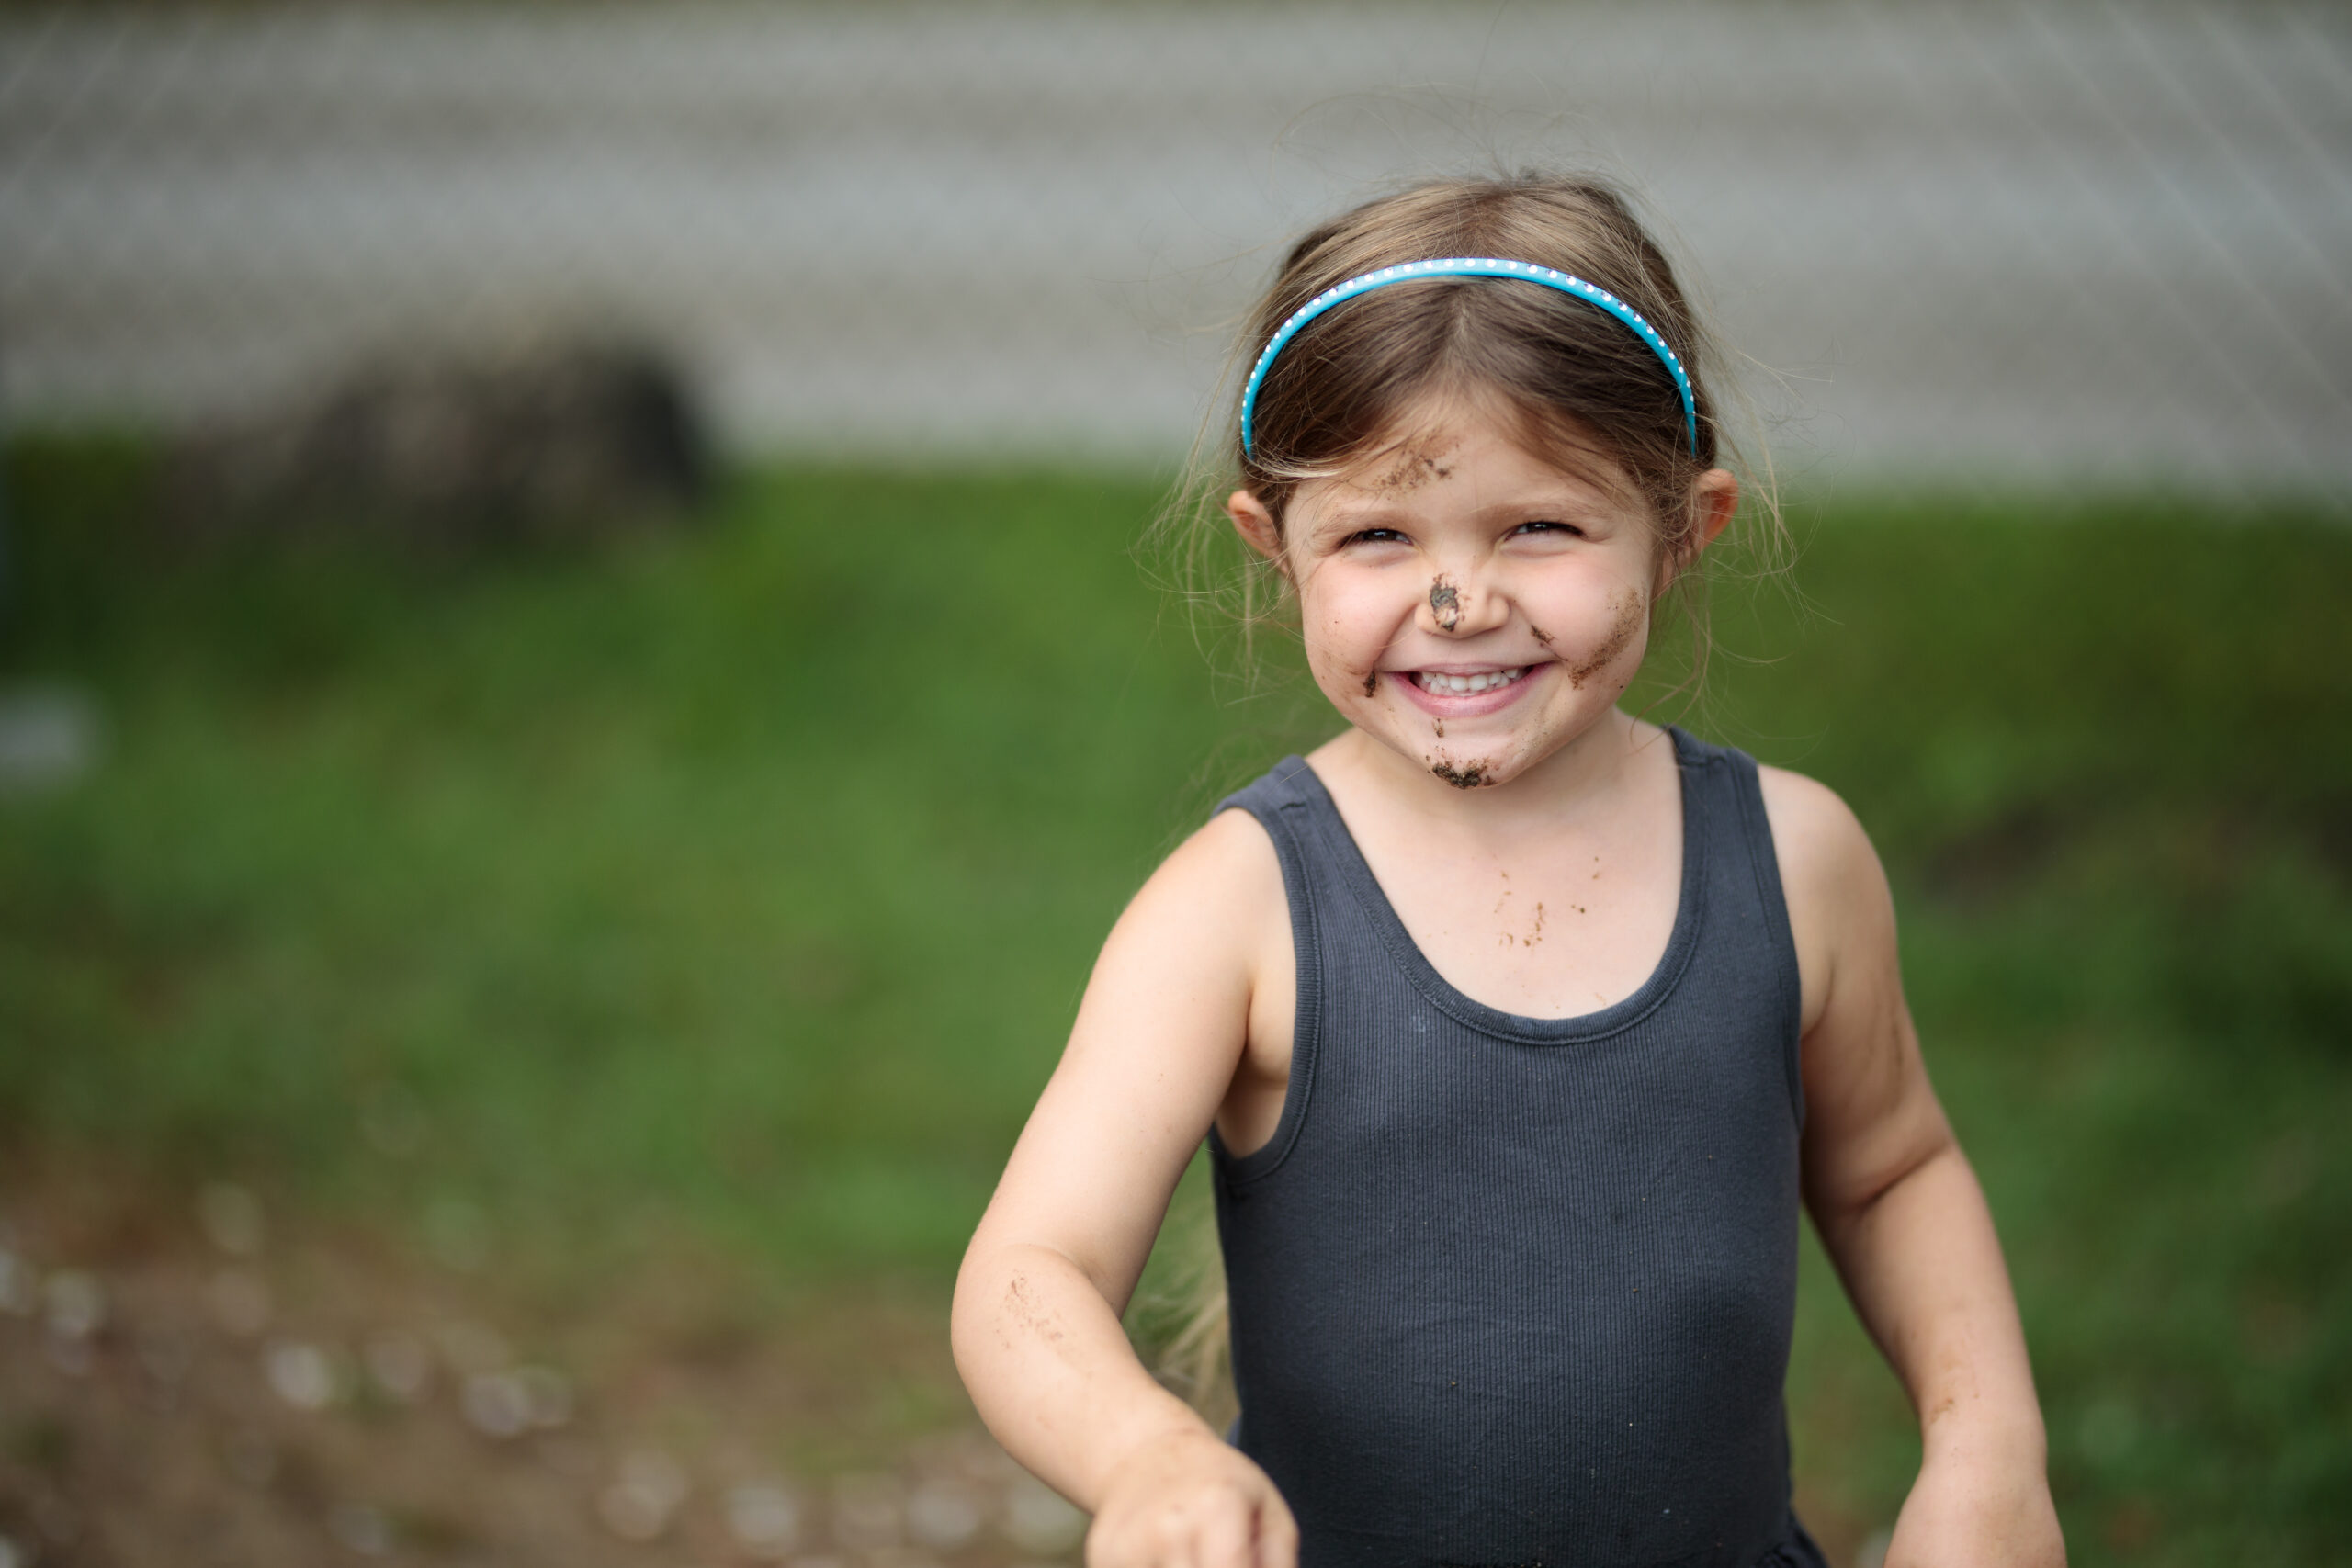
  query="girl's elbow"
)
[
  {"x": 976, "y": 1330},
  {"x": 978, "y": 1290},
  {"x": 1842, "y": 1194}
]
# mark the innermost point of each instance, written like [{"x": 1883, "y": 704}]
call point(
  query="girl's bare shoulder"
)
[
  {"x": 1215, "y": 893},
  {"x": 1165, "y": 1016},
  {"x": 1815, "y": 834},
  {"x": 1840, "y": 914}
]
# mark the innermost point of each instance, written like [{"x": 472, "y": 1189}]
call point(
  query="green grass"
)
[{"x": 743, "y": 883}]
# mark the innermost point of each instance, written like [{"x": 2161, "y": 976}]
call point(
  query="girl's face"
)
[{"x": 1467, "y": 604}]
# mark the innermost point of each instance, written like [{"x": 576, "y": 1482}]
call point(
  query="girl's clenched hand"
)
[
  {"x": 1966, "y": 1512},
  {"x": 1187, "y": 1500}
]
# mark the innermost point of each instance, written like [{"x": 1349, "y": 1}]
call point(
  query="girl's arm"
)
[
  {"x": 1900, "y": 1211},
  {"x": 1158, "y": 1040}
]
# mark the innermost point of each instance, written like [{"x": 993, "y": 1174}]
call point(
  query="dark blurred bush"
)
[{"x": 548, "y": 441}]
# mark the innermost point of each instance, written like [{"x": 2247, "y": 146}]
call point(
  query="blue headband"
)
[{"x": 1472, "y": 266}]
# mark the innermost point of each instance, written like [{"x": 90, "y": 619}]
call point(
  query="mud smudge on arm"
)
[{"x": 1031, "y": 1315}]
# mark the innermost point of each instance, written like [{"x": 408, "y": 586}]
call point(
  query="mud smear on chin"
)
[
  {"x": 1629, "y": 608},
  {"x": 1463, "y": 775}
]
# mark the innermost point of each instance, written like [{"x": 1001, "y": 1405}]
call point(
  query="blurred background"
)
[{"x": 578, "y": 688}]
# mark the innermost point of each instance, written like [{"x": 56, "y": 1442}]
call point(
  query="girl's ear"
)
[
  {"x": 1715, "y": 496},
  {"x": 1255, "y": 524}
]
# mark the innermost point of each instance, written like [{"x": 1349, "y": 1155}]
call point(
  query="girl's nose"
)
[{"x": 1456, "y": 606}]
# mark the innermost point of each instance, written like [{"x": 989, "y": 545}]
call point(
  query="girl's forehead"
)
[{"x": 1458, "y": 448}]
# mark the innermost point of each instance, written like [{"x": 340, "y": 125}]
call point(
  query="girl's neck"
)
[{"x": 1580, "y": 781}]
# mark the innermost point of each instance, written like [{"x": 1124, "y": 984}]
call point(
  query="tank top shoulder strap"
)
[
  {"x": 1285, "y": 801},
  {"x": 1746, "y": 874}
]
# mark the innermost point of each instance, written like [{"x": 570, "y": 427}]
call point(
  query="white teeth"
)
[{"x": 1456, "y": 685}]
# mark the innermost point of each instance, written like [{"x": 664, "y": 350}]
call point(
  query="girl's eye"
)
[
  {"x": 1550, "y": 525},
  {"x": 1372, "y": 536}
]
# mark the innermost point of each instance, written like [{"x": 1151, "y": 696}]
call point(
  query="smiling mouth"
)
[{"x": 1463, "y": 685}]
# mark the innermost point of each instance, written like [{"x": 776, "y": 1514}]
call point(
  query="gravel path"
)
[{"x": 203, "y": 1383}]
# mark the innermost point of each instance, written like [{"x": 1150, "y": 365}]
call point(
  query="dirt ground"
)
[
  {"x": 188, "y": 1376},
  {"x": 192, "y": 1375}
]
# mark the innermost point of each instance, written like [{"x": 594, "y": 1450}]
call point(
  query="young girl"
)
[{"x": 1517, "y": 1026}]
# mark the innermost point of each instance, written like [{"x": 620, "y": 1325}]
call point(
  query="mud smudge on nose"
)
[
  {"x": 1463, "y": 776},
  {"x": 1630, "y": 606},
  {"x": 1445, "y": 603}
]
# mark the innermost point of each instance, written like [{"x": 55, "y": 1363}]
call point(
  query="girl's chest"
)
[{"x": 1556, "y": 936}]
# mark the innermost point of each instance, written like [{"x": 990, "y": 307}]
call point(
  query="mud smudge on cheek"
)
[
  {"x": 1371, "y": 683},
  {"x": 1541, "y": 634},
  {"x": 1445, "y": 603},
  {"x": 1629, "y": 607}
]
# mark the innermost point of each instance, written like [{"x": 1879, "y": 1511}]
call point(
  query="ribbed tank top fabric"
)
[{"x": 1512, "y": 1291}]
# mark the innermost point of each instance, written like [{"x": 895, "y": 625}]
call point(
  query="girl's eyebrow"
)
[
  {"x": 1549, "y": 503},
  {"x": 1338, "y": 520},
  {"x": 1354, "y": 519},
  {"x": 1577, "y": 503}
]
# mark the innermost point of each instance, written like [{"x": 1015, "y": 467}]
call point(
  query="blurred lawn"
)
[{"x": 742, "y": 884}]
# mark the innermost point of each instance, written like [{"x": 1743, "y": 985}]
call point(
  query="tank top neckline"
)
[{"x": 1522, "y": 1028}]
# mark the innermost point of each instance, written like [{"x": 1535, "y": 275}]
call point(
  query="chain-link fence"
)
[{"x": 2080, "y": 242}]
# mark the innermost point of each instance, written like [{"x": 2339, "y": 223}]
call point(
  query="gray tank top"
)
[{"x": 1516, "y": 1290}]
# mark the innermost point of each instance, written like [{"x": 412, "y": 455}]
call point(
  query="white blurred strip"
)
[{"x": 2100, "y": 242}]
